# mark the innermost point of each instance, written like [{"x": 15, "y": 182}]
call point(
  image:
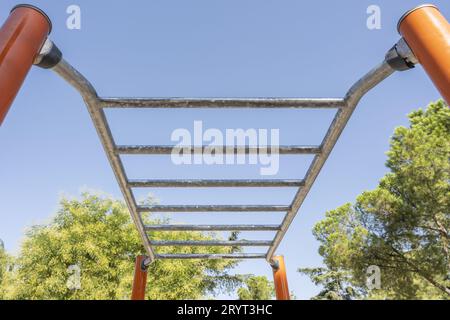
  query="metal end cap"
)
[
  {"x": 407, "y": 13},
  {"x": 24, "y": 5}
]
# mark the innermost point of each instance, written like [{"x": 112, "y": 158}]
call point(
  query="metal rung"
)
[
  {"x": 142, "y": 183},
  {"x": 222, "y": 103},
  {"x": 188, "y": 243},
  {"x": 141, "y": 149},
  {"x": 213, "y": 208},
  {"x": 211, "y": 256},
  {"x": 95, "y": 106},
  {"x": 225, "y": 227}
]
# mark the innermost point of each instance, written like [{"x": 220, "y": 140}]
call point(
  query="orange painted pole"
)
[
  {"x": 427, "y": 33},
  {"x": 280, "y": 278},
  {"x": 21, "y": 38},
  {"x": 140, "y": 279}
]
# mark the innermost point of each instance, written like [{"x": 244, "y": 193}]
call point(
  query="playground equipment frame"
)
[
  {"x": 96, "y": 106},
  {"x": 426, "y": 40}
]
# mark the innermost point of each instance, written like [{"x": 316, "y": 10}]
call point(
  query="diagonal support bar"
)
[{"x": 356, "y": 92}]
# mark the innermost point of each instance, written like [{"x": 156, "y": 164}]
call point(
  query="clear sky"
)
[{"x": 200, "y": 48}]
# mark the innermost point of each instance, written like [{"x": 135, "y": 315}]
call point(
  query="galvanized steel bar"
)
[
  {"x": 211, "y": 256},
  {"x": 95, "y": 104},
  {"x": 159, "y": 150},
  {"x": 192, "y": 183},
  {"x": 224, "y": 227},
  {"x": 222, "y": 103},
  {"x": 213, "y": 208},
  {"x": 212, "y": 243},
  {"x": 356, "y": 92},
  {"x": 87, "y": 91}
]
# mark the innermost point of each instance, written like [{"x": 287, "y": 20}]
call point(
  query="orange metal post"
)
[
  {"x": 280, "y": 278},
  {"x": 21, "y": 38},
  {"x": 427, "y": 33},
  {"x": 140, "y": 279}
]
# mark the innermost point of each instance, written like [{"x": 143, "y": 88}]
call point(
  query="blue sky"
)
[{"x": 49, "y": 147}]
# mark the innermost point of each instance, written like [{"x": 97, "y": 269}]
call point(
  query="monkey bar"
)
[
  {"x": 23, "y": 41},
  {"x": 96, "y": 106}
]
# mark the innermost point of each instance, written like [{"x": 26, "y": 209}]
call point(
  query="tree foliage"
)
[
  {"x": 256, "y": 288},
  {"x": 95, "y": 236},
  {"x": 3, "y": 268},
  {"x": 402, "y": 226}
]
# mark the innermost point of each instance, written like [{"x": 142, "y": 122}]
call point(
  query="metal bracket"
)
[
  {"x": 400, "y": 57},
  {"x": 274, "y": 264},
  {"x": 145, "y": 264},
  {"x": 49, "y": 56}
]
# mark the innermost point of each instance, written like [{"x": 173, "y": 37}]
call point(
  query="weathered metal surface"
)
[
  {"x": 220, "y": 227},
  {"x": 229, "y": 183},
  {"x": 159, "y": 150},
  {"x": 212, "y": 208},
  {"x": 212, "y": 256},
  {"x": 87, "y": 91},
  {"x": 213, "y": 243},
  {"x": 222, "y": 103},
  {"x": 345, "y": 108},
  {"x": 352, "y": 98}
]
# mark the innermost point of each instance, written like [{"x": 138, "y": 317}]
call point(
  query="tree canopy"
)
[
  {"x": 401, "y": 227},
  {"x": 256, "y": 288},
  {"x": 88, "y": 249}
]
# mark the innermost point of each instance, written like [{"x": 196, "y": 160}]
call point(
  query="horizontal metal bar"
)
[
  {"x": 143, "y": 183},
  {"x": 212, "y": 208},
  {"x": 222, "y": 103},
  {"x": 211, "y": 256},
  {"x": 206, "y": 243},
  {"x": 141, "y": 149},
  {"x": 224, "y": 227}
]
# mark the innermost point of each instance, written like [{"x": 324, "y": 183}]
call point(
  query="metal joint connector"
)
[
  {"x": 400, "y": 57},
  {"x": 49, "y": 56},
  {"x": 274, "y": 264},
  {"x": 145, "y": 264}
]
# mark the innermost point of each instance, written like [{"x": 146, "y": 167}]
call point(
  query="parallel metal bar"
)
[
  {"x": 352, "y": 98},
  {"x": 225, "y": 227},
  {"x": 210, "y": 243},
  {"x": 213, "y": 208},
  {"x": 222, "y": 103},
  {"x": 87, "y": 91},
  {"x": 345, "y": 107},
  {"x": 141, "y": 149},
  {"x": 192, "y": 183},
  {"x": 211, "y": 256}
]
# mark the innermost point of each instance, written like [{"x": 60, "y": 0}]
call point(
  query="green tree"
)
[
  {"x": 402, "y": 226},
  {"x": 96, "y": 237},
  {"x": 256, "y": 288},
  {"x": 336, "y": 283},
  {"x": 3, "y": 268}
]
